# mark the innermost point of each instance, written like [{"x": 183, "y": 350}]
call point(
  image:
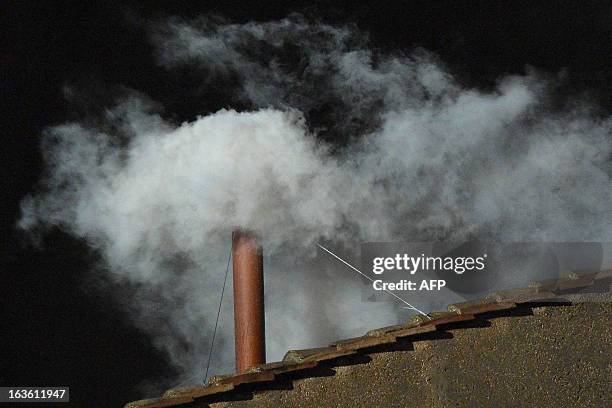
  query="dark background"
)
[{"x": 60, "y": 323}]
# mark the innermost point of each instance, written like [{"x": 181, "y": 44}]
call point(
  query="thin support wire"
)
[
  {"x": 212, "y": 343},
  {"x": 372, "y": 280}
]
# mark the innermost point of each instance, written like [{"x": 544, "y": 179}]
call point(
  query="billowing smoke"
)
[{"x": 421, "y": 157}]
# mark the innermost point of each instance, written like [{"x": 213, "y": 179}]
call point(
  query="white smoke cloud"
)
[{"x": 425, "y": 158}]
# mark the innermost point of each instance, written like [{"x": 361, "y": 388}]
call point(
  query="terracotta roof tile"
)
[
  {"x": 315, "y": 354},
  {"x": 297, "y": 356},
  {"x": 604, "y": 275},
  {"x": 572, "y": 281},
  {"x": 359, "y": 343},
  {"x": 291, "y": 368},
  {"x": 480, "y": 306},
  {"x": 198, "y": 391},
  {"x": 331, "y": 355},
  {"x": 159, "y": 402},
  {"x": 524, "y": 295},
  {"x": 245, "y": 378},
  {"x": 384, "y": 330},
  {"x": 440, "y": 318},
  {"x": 413, "y": 331}
]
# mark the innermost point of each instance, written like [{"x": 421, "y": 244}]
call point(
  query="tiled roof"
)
[{"x": 302, "y": 363}]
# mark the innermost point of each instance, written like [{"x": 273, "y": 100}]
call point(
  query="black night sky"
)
[{"x": 62, "y": 324}]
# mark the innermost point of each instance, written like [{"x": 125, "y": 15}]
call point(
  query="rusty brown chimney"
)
[{"x": 249, "y": 320}]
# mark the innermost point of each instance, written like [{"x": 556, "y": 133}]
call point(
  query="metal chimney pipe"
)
[{"x": 249, "y": 319}]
